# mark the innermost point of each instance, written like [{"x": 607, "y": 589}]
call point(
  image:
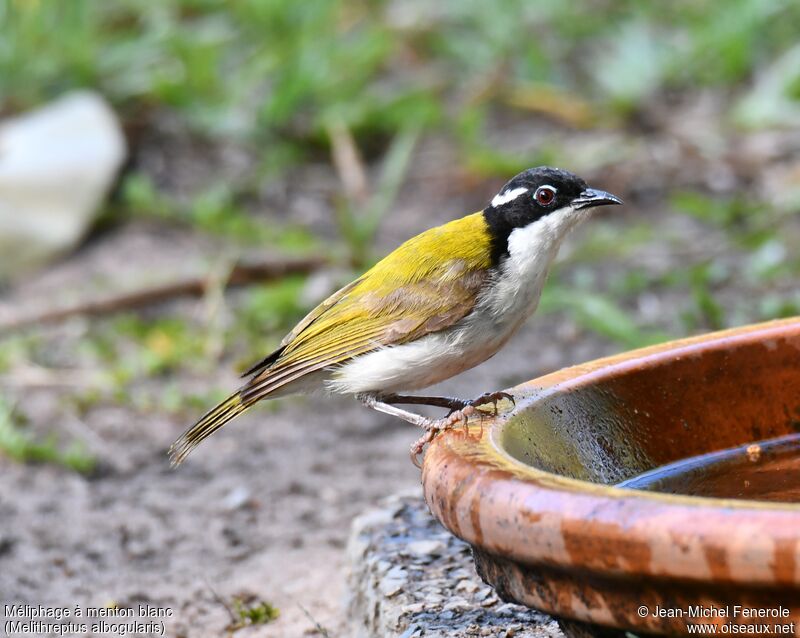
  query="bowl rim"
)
[
  {"x": 752, "y": 536},
  {"x": 576, "y": 376}
]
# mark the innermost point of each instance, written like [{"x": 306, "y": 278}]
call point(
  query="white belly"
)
[
  {"x": 439, "y": 356},
  {"x": 419, "y": 364}
]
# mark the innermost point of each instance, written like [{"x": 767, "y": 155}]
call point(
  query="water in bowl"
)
[{"x": 764, "y": 471}]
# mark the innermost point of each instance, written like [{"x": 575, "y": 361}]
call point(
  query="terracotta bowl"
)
[{"x": 532, "y": 489}]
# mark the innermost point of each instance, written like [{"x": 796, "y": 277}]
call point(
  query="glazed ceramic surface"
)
[{"x": 531, "y": 489}]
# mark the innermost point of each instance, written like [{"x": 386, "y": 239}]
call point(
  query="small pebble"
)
[
  {"x": 398, "y": 571},
  {"x": 468, "y": 586},
  {"x": 482, "y": 594},
  {"x": 460, "y": 574},
  {"x": 425, "y": 548},
  {"x": 390, "y": 587},
  {"x": 236, "y": 498},
  {"x": 457, "y": 604},
  {"x": 395, "y": 579},
  {"x": 413, "y": 608}
]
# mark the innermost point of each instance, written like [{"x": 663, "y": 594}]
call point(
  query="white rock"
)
[{"x": 56, "y": 166}]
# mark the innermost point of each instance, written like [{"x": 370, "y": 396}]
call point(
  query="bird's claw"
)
[
  {"x": 460, "y": 415},
  {"x": 419, "y": 445},
  {"x": 491, "y": 397},
  {"x": 439, "y": 425}
]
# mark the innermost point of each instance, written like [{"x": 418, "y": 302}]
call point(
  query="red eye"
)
[{"x": 545, "y": 195}]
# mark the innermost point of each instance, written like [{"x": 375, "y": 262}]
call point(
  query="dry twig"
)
[
  {"x": 241, "y": 274},
  {"x": 348, "y": 163},
  {"x": 319, "y": 628}
]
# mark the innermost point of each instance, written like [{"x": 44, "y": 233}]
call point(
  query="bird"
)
[{"x": 441, "y": 303}]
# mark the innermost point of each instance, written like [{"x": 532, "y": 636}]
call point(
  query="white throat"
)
[{"x": 531, "y": 251}]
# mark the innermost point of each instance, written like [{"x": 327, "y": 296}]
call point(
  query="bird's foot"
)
[
  {"x": 434, "y": 426},
  {"x": 492, "y": 398},
  {"x": 460, "y": 413},
  {"x": 457, "y": 416}
]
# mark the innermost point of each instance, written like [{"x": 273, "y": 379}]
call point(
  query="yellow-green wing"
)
[
  {"x": 410, "y": 293},
  {"x": 302, "y": 325}
]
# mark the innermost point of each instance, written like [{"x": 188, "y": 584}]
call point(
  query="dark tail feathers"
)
[{"x": 230, "y": 408}]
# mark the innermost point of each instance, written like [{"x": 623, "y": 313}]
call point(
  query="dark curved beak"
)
[{"x": 591, "y": 198}]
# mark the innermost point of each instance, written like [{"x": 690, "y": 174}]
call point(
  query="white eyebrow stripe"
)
[{"x": 504, "y": 198}]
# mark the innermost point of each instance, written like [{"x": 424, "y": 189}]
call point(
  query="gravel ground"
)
[{"x": 409, "y": 577}]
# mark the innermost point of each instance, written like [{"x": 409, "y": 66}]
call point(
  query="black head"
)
[{"x": 534, "y": 194}]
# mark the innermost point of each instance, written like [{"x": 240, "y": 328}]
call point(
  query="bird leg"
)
[
  {"x": 431, "y": 426},
  {"x": 451, "y": 403},
  {"x": 376, "y": 402},
  {"x": 460, "y": 411}
]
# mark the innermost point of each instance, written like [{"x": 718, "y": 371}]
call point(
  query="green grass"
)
[
  {"x": 280, "y": 69},
  {"x": 253, "y": 612},
  {"x": 18, "y": 444},
  {"x": 358, "y": 222},
  {"x": 132, "y": 349}
]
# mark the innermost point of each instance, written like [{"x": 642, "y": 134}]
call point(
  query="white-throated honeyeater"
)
[{"x": 443, "y": 302}]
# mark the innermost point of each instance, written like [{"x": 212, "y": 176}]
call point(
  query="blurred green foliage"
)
[
  {"x": 281, "y": 69},
  {"x": 215, "y": 210},
  {"x": 270, "y": 307},
  {"x": 277, "y": 72},
  {"x": 17, "y": 443},
  {"x": 722, "y": 212},
  {"x": 253, "y": 612},
  {"x": 599, "y": 314},
  {"x": 358, "y": 224}
]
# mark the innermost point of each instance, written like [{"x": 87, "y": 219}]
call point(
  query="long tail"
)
[
  {"x": 212, "y": 421},
  {"x": 266, "y": 383}
]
